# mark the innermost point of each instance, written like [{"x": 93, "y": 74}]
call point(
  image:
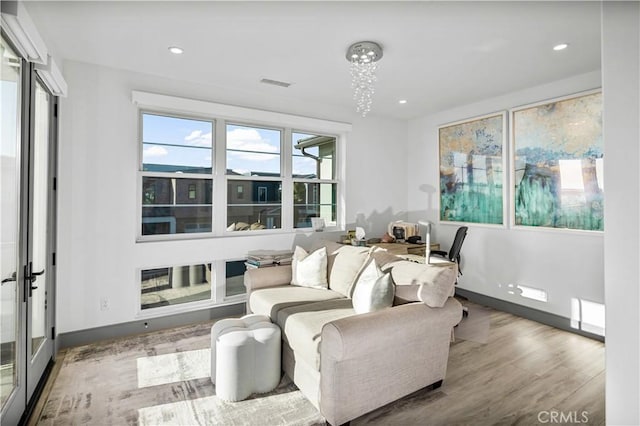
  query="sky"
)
[{"x": 188, "y": 142}]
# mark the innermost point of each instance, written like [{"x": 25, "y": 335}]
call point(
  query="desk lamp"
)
[{"x": 427, "y": 247}]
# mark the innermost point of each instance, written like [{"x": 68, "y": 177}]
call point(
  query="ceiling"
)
[{"x": 437, "y": 55}]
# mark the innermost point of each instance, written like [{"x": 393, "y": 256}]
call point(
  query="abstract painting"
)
[
  {"x": 471, "y": 170},
  {"x": 558, "y": 155}
]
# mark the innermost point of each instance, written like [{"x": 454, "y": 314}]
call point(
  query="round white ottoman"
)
[{"x": 245, "y": 356}]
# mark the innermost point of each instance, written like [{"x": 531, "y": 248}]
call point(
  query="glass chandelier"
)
[{"x": 364, "y": 57}]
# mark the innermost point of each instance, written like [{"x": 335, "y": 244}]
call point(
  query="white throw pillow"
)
[
  {"x": 373, "y": 290},
  {"x": 309, "y": 269}
]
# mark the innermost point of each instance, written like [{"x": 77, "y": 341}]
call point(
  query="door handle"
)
[
  {"x": 11, "y": 278},
  {"x": 32, "y": 277}
]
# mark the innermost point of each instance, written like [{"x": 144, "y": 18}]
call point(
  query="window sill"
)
[
  {"x": 232, "y": 234},
  {"x": 187, "y": 307}
]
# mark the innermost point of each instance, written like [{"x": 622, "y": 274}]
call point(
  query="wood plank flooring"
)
[{"x": 525, "y": 373}]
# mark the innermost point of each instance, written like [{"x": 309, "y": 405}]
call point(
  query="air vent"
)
[{"x": 275, "y": 82}]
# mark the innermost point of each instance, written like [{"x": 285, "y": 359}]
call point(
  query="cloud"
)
[
  {"x": 197, "y": 138},
  {"x": 250, "y": 156},
  {"x": 155, "y": 151},
  {"x": 250, "y": 140}
]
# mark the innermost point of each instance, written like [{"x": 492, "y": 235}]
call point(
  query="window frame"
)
[
  {"x": 141, "y": 174},
  {"x": 318, "y": 180},
  {"x": 221, "y": 115},
  {"x": 281, "y": 178},
  {"x": 159, "y": 311}
]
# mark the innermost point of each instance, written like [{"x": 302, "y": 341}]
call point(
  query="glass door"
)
[
  {"x": 38, "y": 267},
  {"x": 27, "y": 222},
  {"x": 12, "y": 313}
]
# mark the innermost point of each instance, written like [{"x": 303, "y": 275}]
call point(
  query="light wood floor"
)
[{"x": 525, "y": 373}]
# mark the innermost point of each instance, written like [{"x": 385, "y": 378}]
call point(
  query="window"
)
[
  {"x": 234, "y": 283},
  {"x": 314, "y": 179},
  {"x": 177, "y": 184},
  {"x": 253, "y": 167},
  {"x": 212, "y": 176},
  {"x": 263, "y": 210},
  {"x": 174, "y": 285}
]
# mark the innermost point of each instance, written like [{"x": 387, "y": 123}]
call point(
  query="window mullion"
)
[
  {"x": 220, "y": 179},
  {"x": 287, "y": 181}
]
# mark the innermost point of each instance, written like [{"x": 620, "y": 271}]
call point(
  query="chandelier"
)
[{"x": 364, "y": 57}]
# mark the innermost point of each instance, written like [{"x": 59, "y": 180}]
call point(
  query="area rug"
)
[
  {"x": 161, "y": 378},
  {"x": 475, "y": 326}
]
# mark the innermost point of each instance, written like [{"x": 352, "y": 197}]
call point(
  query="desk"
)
[{"x": 405, "y": 248}]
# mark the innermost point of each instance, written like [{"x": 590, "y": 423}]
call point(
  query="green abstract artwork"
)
[
  {"x": 558, "y": 164},
  {"x": 471, "y": 170}
]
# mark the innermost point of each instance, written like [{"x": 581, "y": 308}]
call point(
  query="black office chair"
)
[{"x": 454, "y": 255}]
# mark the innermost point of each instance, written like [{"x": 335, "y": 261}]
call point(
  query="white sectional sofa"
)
[{"x": 348, "y": 363}]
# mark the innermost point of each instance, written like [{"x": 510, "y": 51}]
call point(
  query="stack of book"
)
[{"x": 265, "y": 258}]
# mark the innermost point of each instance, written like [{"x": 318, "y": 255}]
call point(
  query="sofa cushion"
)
[
  {"x": 348, "y": 263},
  {"x": 309, "y": 269},
  {"x": 301, "y": 326},
  {"x": 431, "y": 284},
  {"x": 268, "y": 301},
  {"x": 373, "y": 290},
  {"x": 383, "y": 257}
]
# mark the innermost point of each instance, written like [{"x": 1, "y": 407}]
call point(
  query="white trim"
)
[
  {"x": 52, "y": 77},
  {"x": 233, "y": 113},
  {"x": 22, "y": 32}
]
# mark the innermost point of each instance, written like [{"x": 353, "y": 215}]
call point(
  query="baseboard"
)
[
  {"x": 92, "y": 335},
  {"x": 537, "y": 315}
]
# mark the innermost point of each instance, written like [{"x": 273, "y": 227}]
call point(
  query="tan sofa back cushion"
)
[
  {"x": 430, "y": 284},
  {"x": 347, "y": 265}
]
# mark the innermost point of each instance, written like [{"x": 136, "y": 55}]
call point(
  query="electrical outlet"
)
[{"x": 104, "y": 304}]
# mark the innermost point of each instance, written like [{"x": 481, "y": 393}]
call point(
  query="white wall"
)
[
  {"x": 621, "y": 74},
  {"x": 97, "y": 252},
  {"x": 565, "y": 264}
]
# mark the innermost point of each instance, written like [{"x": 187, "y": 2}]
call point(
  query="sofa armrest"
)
[
  {"x": 395, "y": 351},
  {"x": 272, "y": 276},
  {"x": 267, "y": 277}
]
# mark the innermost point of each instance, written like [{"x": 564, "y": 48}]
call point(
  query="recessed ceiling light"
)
[
  {"x": 402, "y": 101},
  {"x": 560, "y": 46},
  {"x": 176, "y": 50}
]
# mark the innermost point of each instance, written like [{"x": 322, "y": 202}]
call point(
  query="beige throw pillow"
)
[
  {"x": 373, "y": 290},
  {"x": 309, "y": 269}
]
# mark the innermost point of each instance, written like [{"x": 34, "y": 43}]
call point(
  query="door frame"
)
[{"x": 20, "y": 404}]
